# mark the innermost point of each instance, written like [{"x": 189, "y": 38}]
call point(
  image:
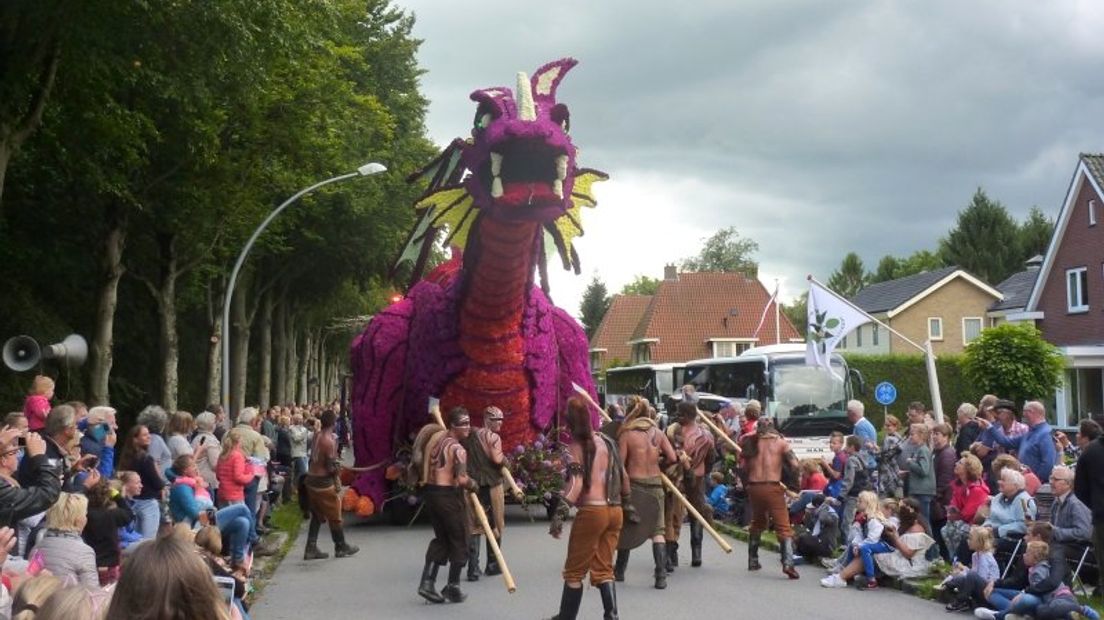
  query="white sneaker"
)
[
  {"x": 833, "y": 581},
  {"x": 985, "y": 613}
]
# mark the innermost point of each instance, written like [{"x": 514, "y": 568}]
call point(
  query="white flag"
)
[{"x": 831, "y": 318}]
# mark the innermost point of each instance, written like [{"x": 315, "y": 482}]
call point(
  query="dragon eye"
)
[
  {"x": 482, "y": 120},
  {"x": 561, "y": 115}
]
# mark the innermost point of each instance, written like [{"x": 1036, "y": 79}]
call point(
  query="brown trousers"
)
[
  {"x": 694, "y": 490},
  {"x": 594, "y": 534},
  {"x": 769, "y": 500},
  {"x": 448, "y": 512}
]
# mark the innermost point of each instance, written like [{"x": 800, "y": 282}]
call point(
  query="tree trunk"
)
[
  {"x": 280, "y": 353},
  {"x": 264, "y": 384},
  {"x": 239, "y": 360},
  {"x": 166, "y": 310},
  {"x": 292, "y": 361},
  {"x": 214, "y": 344},
  {"x": 304, "y": 367},
  {"x": 108, "y": 298},
  {"x": 6, "y": 151}
]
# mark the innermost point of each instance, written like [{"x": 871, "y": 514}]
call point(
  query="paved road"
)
[{"x": 380, "y": 582}]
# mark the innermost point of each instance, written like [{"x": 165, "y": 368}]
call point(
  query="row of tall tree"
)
[{"x": 140, "y": 146}]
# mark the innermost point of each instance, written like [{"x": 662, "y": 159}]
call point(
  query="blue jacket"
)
[{"x": 1035, "y": 448}]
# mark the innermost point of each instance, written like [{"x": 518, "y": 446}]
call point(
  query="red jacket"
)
[
  {"x": 814, "y": 482},
  {"x": 233, "y": 475},
  {"x": 35, "y": 409},
  {"x": 967, "y": 498}
]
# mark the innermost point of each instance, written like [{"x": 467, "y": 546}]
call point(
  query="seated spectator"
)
[
  {"x": 209, "y": 541},
  {"x": 74, "y": 603},
  {"x": 37, "y": 404},
  {"x": 165, "y": 579},
  {"x": 129, "y": 486},
  {"x": 99, "y": 439},
  {"x": 136, "y": 457},
  {"x": 822, "y": 529},
  {"x": 968, "y": 494},
  {"x": 863, "y": 540},
  {"x": 1043, "y": 597},
  {"x": 812, "y": 483},
  {"x": 718, "y": 497},
  {"x": 106, "y": 516},
  {"x": 179, "y": 431},
  {"x": 1009, "y": 511},
  {"x": 189, "y": 503},
  {"x": 982, "y": 566},
  {"x": 63, "y": 551},
  {"x": 907, "y": 550},
  {"x": 1071, "y": 518},
  {"x": 31, "y": 594},
  {"x": 1003, "y": 461}
]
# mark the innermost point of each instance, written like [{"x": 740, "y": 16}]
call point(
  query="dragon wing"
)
[{"x": 569, "y": 225}]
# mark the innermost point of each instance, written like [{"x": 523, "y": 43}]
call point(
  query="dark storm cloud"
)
[{"x": 830, "y": 127}]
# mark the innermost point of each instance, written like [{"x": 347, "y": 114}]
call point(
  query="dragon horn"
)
[{"x": 527, "y": 111}]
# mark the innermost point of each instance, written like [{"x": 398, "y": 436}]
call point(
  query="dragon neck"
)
[{"x": 499, "y": 280}]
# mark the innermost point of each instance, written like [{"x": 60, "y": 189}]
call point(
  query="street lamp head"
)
[{"x": 371, "y": 168}]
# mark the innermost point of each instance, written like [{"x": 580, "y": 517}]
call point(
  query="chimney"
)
[{"x": 670, "y": 272}]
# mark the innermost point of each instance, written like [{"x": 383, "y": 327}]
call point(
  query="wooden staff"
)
[
  {"x": 482, "y": 516},
  {"x": 582, "y": 392},
  {"x": 511, "y": 483},
  {"x": 694, "y": 512},
  {"x": 718, "y": 431}
]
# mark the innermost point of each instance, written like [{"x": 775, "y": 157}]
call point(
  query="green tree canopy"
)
[
  {"x": 642, "y": 285},
  {"x": 725, "y": 251},
  {"x": 1014, "y": 362},
  {"x": 1035, "y": 233},
  {"x": 891, "y": 267},
  {"x": 797, "y": 311},
  {"x": 596, "y": 301},
  {"x": 985, "y": 240},
  {"x": 850, "y": 277}
]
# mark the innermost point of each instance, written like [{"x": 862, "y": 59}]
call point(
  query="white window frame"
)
[
  {"x": 858, "y": 337},
  {"x": 981, "y": 326},
  {"x": 874, "y": 334},
  {"x": 1092, "y": 213},
  {"x": 1082, "y": 295},
  {"x": 939, "y": 321}
]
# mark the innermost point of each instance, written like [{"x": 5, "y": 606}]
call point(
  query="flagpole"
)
[
  {"x": 810, "y": 278},
  {"x": 777, "y": 321}
]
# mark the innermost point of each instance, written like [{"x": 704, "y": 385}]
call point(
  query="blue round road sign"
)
[{"x": 885, "y": 393}]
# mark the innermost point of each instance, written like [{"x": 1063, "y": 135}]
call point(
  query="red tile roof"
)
[
  {"x": 686, "y": 312},
  {"x": 617, "y": 326}
]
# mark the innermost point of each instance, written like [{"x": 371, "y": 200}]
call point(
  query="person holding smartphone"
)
[{"x": 17, "y": 501}]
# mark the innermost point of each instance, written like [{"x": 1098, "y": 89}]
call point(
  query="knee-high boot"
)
[
  {"x": 672, "y": 556},
  {"x": 342, "y": 549},
  {"x": 620, "y": 564},
  {"x": 451, "y": 591},
  {"x": 492, "y": 562},
  {"x": 427, "y": 589},
  {"x": 473, "y": 558},
  {"x": 609, "y": 600},
  {"x": 659, "y": 554},
  {"x": 697, "y": 532},
  {"x": 313, "y": 552},
  {"x": 753, "y": 551},
  {"x": 570, "y": 599},
  {"x": 788, "y": 558}
]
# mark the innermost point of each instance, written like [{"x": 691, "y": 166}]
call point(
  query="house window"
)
[
  {"x": 858, "y": 336},
  {"x": 1077, "y": 289},
  {"x": 874, "y": 334},
  {"x": 729, "y": 349},
  {"x": 843, "y": 343},
  {"x": 642, "y": 354},
  {"x": 1092, "y": 213},
  {"x": 935, "y": 328},
  {"x": 971, "y": 329}
]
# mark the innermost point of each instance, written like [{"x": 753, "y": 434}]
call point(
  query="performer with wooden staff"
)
[
  {"x": 485, "y": 465},
  {"x": 322, "y": 487},
  {"x": 595, "y": 482},
  {"x": 697, "y": 446},
  {"x": 641, "y": 444},
  {"x": 763, "y": 455},
  {"x": 443, "y": 461}
]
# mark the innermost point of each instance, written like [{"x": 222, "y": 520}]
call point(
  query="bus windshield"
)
[
  {"x": 731, "y": 380},
  {"x": 802, "y": 391},
  {"x": 622, "y": 382}
]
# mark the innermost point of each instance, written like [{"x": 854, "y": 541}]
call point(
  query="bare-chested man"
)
[
  {"x": 485, "y": 463},
  {"x": 597, "y": 484},
  {"x": 447, "y": 504},
  {"x": 697, "y": 445},
  {"x": 641, "y": 444},
  {"x": 763, "y": 455},
  {"x": 322, "y": 485}
]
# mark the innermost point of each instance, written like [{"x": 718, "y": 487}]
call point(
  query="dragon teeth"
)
[
  {"x": 496, "y": 188},
  {"x": 496, "y": 164},
  {"x": 561, "y": 167},
  {"x": 557, "y": 188}
]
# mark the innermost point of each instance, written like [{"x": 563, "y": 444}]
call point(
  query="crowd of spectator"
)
[{"x": 94, "y": 524}]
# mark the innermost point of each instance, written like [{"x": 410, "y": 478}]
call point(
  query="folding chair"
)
[
  {"x": 1087, "y": 559},
  {"x": 1012, "y": 558}
]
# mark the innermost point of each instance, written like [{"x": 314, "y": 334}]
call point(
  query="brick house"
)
[
  {"x": 691, "y": 316},
  {"x": 947, "y": 306},
  {"x": 1067, "y": 299}
]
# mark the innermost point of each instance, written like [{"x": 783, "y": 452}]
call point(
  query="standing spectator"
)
[
  {"x": 181, "y": 426},
  {"x": 299, "y": 436},
  {"x": 32, "y": 594},
  {"x": 918, "y": 414},
  {"x": 919, "y": 470},
  {"x": 130, "y": 487},
  {"x": 61, "y": 438},
  {"x": 889, "y": 478},
  {"x": 37, "y": 403},
  {"x": 268, "y": 425},
  {"x": 943, "y": 462},
  {"x": 255, "y": 447},
  {"x": 206, "y": 448},
  {"x": 856, "y": 478},
  {"x": 221, "y": 425},
  {"x": 752, "y": 410},
  {"x": 154, "y": 419},
  {"x": 105, "y": 516},
  {"x": 864, "y": 430},
  {"x": 64, "y": 553},
  {"x": 1087, "y": 431},
  {"x": 968, "y": 427},
  {"x": 968, "y": 493},
  {"x": 1088, "y": 486},
  {"x": 986, "y": 447},
  {"x": 99, "y": 439},
  {"x": 1035, "y": 448},
  {"x": 43, "y": 479},
  {"x": 834, "y": 465},
  {"x": 136, "y": 457}
]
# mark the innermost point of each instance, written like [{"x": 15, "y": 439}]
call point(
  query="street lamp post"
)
[{"x": 364, "y": 171}]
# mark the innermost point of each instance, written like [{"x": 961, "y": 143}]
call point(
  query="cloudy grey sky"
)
[{"x": 816, "y": 128}]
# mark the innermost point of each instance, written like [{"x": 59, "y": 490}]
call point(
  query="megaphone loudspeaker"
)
[
  {"x": 73, "y": 350},
  {"x": 21, "y": 353}
]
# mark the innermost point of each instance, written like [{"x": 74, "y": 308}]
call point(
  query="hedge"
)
[{"x": 909, "y": 375}]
